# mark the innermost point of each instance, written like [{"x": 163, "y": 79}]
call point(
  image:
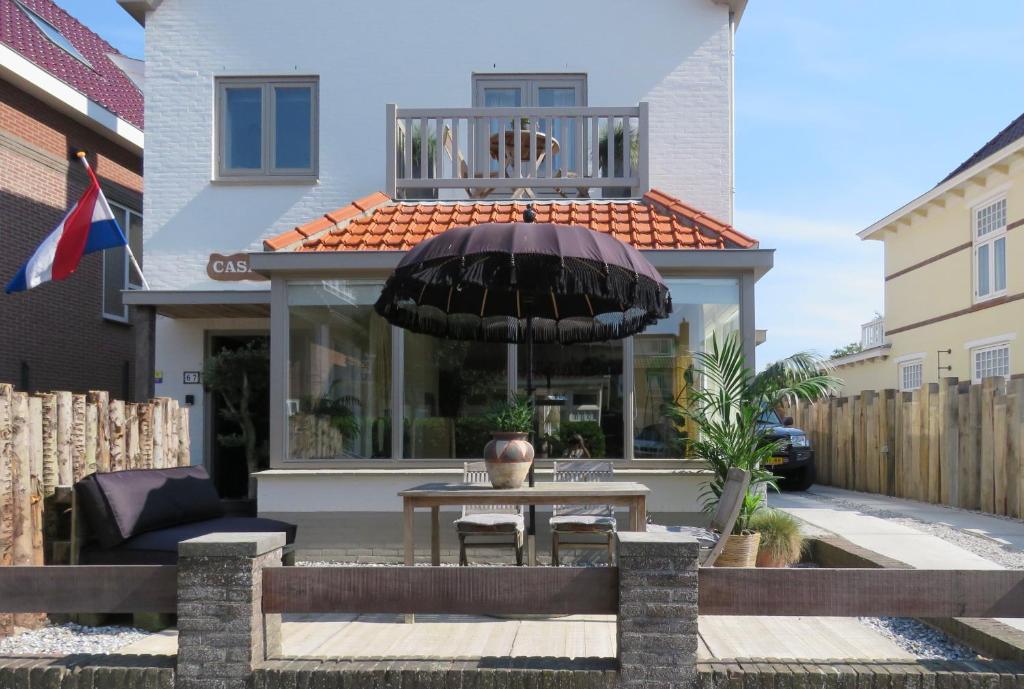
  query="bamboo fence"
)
[
  {"x": 53, "y": 439},
  {"x": 950, "y": 443}
]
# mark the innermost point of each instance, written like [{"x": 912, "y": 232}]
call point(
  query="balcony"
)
[
  {"x": 519, "y": 153},
  {"x": 872, "y": 334}
]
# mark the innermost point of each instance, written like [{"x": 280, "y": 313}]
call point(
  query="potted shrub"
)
[
  {"x": 781, "y": 542},
  {"x": 509, "y": 454}
]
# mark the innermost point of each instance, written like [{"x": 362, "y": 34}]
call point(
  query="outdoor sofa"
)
[{"x": 138, "y": 517}]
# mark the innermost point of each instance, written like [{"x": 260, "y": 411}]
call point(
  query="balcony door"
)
[{"x": 535, "y": 90}]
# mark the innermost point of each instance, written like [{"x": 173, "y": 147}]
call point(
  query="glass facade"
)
[
  {"x": 449, "y": 388},
  {"x": 341, "y": 383},
  {"x": 701, "y": 309},
  {"x": 579, "y": 392},
  {"x": 339, "y": 372}
]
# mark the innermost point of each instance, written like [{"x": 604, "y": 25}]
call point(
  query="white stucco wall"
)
[{"x": 675, "y": 54}]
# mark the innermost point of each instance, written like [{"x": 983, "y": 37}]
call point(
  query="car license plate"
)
[{"x": 774, "y": 461}]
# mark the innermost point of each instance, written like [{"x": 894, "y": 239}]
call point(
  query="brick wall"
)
[{"x": 58, "y": 329}]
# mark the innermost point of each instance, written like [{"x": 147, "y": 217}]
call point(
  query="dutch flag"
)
[{"x": 88, "y": 227}]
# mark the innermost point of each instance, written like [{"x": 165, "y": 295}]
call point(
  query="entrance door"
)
[{"x": 227, "y": 456}]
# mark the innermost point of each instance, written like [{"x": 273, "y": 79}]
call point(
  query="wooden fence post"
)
[
  {"x": 987, "y": 473},
  {"x": 78, "y": 435},
  {"x": 116, "y": 414},
  {"x": 1015, "y": 448},
  {"x": 1000, "y": 474},
  {"x": 184, "y": 442},
  {"x": 64, "y": 439},
  {"x": 101, "y": 400},
  {"x": 7, "y": 511},
  {"x": 934, "y": 447},
  {"x": 950, "y": 441}
]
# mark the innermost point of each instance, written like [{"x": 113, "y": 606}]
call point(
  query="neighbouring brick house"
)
[{"x": 64, "y": 89}]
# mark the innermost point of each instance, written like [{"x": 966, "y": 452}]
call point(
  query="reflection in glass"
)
[
  {"x": 243, "y": 137},
  {"x": 578, "y": 392},
  {"x": 339, "y": 372},
  {"x": 450, "y": 388},
  {"x": 293, "y": 127},
  {"x": 701, "y": 309}
]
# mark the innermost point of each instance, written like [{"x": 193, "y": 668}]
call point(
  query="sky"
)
[{"x": 845, "y": 111}]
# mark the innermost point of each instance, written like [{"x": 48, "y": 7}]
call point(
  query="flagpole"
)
[{"x": 127, "y": 245}]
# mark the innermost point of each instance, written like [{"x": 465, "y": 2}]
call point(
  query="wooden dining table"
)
[{"x": 436, "y": 495}]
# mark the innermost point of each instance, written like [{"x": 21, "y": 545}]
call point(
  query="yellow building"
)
[{"x": 954, "y": 278}]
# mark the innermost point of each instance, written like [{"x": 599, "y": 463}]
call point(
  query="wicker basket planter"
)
[{"x": 739, "y": 551}]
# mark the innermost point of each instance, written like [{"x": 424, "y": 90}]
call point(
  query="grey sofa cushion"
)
[
  {"x": 161, "y": 547},
  {"x": 122, "y": 504}
]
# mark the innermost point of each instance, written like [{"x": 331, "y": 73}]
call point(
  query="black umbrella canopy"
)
[{"x": 487, "y": 281}]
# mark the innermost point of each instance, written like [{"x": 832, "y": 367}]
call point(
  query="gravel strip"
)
[
  {"x": 999, "y": 553},
  {"x": 918, "y": 638},
  {"x": 65, "y": 639}
]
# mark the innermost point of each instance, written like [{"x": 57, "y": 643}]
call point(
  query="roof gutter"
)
[
  {"x": 36, "y": 81},
  {"x": 936, "y": 192},
  {"x": 138, "y": 8},
  {"x": 668, "y": 261}
]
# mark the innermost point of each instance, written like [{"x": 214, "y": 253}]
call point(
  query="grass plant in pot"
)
[
  {"x": 509, "y": 454},
  {"x": 781, "y": 542},
  {"x": 726, "y": 400}
]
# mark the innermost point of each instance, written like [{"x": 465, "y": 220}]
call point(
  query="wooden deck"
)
[{"x": 465, "y": 637}]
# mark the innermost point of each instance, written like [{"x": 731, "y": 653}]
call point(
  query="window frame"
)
[
  {"x": 982, "y": 349},
  {"x": 530, "y": 83},
  {"x": 126, "y": 280},
  {"x": 988, "y": 240},
  {"x": 268, "y": 172},
  {"x": 902, "y": 367}
]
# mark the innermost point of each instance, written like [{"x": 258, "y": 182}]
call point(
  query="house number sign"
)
[
  {"x": 230, "y": 268},
  {"x": 191, "y": 378}
]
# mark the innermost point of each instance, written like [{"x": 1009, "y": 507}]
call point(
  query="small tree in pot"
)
[
  {"x": 726, "y": 401},
  {"x": 509, "y": 454}
]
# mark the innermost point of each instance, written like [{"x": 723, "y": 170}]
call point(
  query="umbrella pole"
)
[{"x": 531, "y": 539}]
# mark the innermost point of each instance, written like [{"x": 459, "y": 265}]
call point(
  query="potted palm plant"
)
[
  {"x": 725, "y": 401},
  {"x": 509, "y": 454}
]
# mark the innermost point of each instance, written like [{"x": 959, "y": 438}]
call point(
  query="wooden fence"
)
[
  {"x": 952, "y": 443},
  {"x": 50, "y": 440}
]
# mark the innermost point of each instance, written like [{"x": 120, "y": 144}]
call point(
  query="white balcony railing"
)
[
  {"x": 517, "y": 152},
  {"x": 872, "y": 334}
]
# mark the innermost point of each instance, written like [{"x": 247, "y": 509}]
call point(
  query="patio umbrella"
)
[{"x": 524, "y": 283}]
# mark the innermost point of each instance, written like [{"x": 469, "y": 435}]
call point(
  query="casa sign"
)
[{"x": 231, "y": 268}]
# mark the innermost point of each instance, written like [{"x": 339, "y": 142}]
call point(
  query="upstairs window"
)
[
  {"x": 267, "y": 128},
  {"x": 989, "y": 235},
  {"x": 54, "y": 34},
  {"x": 118, "y": 273}
]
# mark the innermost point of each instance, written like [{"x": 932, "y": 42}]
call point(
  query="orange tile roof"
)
[{"x": 377, "y": 223}]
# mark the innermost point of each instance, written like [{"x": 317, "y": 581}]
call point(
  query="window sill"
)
[
  {"x": 107, "y": 318},
  {"x": 990, "y": 297},
  {"x": 263, "y": 181}
]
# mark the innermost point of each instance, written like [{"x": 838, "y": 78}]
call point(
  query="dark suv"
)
[{"x": 793, "y": 463}]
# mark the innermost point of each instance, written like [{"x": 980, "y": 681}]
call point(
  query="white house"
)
[{"x": 295, "y": 150}]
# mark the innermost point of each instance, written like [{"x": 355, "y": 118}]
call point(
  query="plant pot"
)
[
  {"x": 768, "y": 560},
  {"x": 508, "y": 457},
  {"x": 739, "y": 551}
]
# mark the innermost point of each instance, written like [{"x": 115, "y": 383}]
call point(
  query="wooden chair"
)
[
  {"x": 458, "y": 162},
  {"x": 569, "y": 522},
  {"x": 712, "y": 540},
  {"x": 496, "y": 524}
]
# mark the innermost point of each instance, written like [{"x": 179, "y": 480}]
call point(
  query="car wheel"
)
[{"x": 799, "y": 480}]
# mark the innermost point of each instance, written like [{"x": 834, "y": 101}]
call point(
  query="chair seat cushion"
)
[
  {"x": 582, "y": 522},
  {"x": 705, "y": 537},
  {"x": 491, "y": 522},
  {"x": 161, "y": 547}
]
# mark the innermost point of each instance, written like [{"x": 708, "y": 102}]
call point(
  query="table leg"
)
[
  {"x": 410, "y": 543},
  {"x": 409, "y": 538},
  {"x": 639, "y": 514},
  {"x": 435, "y": 536}
]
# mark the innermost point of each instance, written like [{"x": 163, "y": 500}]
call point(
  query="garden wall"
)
[{"x": 951, "y": 443}]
